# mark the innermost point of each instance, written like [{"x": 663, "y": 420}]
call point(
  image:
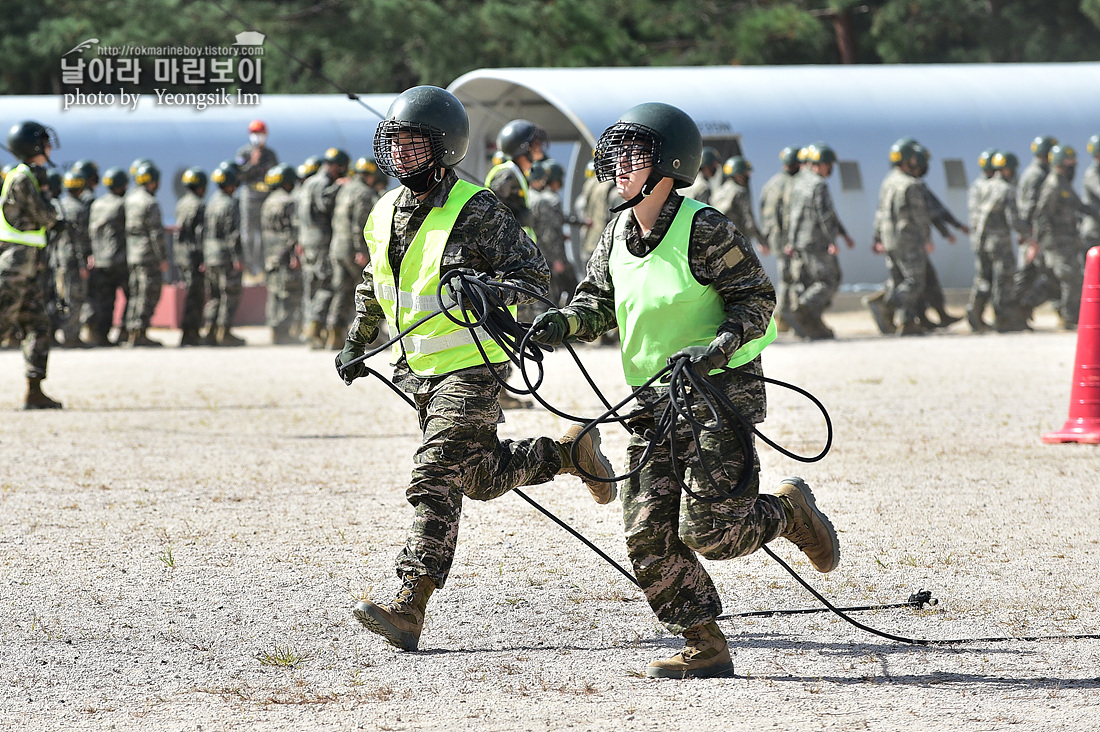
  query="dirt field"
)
[{"x": 181, "y": 547}]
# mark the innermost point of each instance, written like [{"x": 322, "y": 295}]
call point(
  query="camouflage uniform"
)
[
  {"x": 903, "y": 224},
  {"x": 279, "y": 218},
  {"x": 597, "y": 209},
  {"x": 22, "y": 305},
  {"x": 812, "y": 226},
  {"x": 460, "y": 454},
  {"x": 353, "y": 205},
  {"x": 221, "y": 252},
  {"x": 701, "y": 190},
  {"x": 942, "y": 218},
  {"x": 995, "y": 252},
  {"x": 145, "y": 252},
  {"x": 72, "y": 263},
  {"x": 187, "y": 251},
  {"x": 107, "y": 227},
  {"x": 253, "y": 192},
  {"x": 315, "y": 212},
  {"x": 1056, "y": 215},
  {"x": 1090, "y": 225},
  {"x": 511, "y": 191},
  {"x": 1035, "y": 283},
  {"x": 735, "y": 201},
  {"x": 665, "y": 529},
  {"x": 548, "y": 219},
  {"x": 772, "y": 196}
]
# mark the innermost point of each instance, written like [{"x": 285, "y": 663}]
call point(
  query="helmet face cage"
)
[
  {"x": 624, "y": 148},
  {"x": 415, "y": 155}
]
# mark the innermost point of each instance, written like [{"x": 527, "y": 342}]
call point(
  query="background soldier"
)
[
  {"x": 187, "y": 251},
  {"x": 601, "y": 198},
  {"x": 89, "y": 171},
  {"x": 974, "y": 192},
  {"x": 145, "y": 254},
  {"x": 734, "y": 200},
  {"x": 1035, "y": 283},
  {"x": 25, "y": 215},
  {"x": 315, "y": 212},
  {"x": 72, "y": 259},
  {"x": 107, "y": 271},
  {"x": 279, "y": 218},
  {"x": 772, "y": 195},
  {"x": 221, "y": 252},
  {"x": 702, "y": 188},
  {"x": 548, "y": 217},
  {"x": 942, "y": 218},
  {"x": 253, "y": 161},
  {"x": 349, "y": 251},
  {"x": 523, "y": 144},
  {"x": 1090, "y": 225}
]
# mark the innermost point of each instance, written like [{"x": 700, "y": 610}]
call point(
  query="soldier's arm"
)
[
  {"x": 1012, "y": 216},
  {"x": 591, "y": 312},
  {"x": 751, "y": 229},
  {"x": 826, "y": 213},
  {"x": 25, "y": 208},
  {"x": 368, "y": 313},
  {"x": 154, "y": 224}
]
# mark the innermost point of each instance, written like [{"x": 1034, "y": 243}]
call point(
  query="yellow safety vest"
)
[
  {"x": 437, "y": 346},
  {"x": 8, "y": 233}
]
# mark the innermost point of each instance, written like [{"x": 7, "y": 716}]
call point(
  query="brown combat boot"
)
[
  {"x": 807, "y": 527},
  {"x": 190, "y": 337},
  {"x": 400, "y": 622},
  {"x": 35, "y": 399},
  {"x": 138, "y": 339},
  {"x": 881, "y": 311},
  {"x": 313, "y": 336},
  {"x": 705, "y": 654},
  {"x": 225, "y": 337},
  {"x": 591, "y": 460}
]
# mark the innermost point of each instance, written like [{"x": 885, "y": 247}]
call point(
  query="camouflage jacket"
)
[
  {"x": 1057, "y": 211},
  {"x": 1027, "y": 190},
  {"x": 25, "y": 207},
  {"x": 810, "y": 219},
  {"x": 510, "y": 190},
  {"x": 316, "y": 206},
  {"x": 719, "y": 257},
  {"x": 735, "y": 201},
  {"x": 485, "y": 238},
  {"x": 144, "y": 229},
  {"x": 997, "y": 215},
  {"x": 278, "y": 220},
  {"x": 1090, "y": 226},
  {"x": 701, "y": 190},
  {"x": 902, "y": 219},
  {"x": 548, "y": 221},
  {"x": 974, "y": 203},
  {"x": 353, "y": 205},
  {"x": 107, "y": 228},
  {"x": 76, "y": 212},
  {"x": 941, "y": 216},
  {"x": 190, "y": 219},
  {"x": 221, "y": 231},
  {"x": 252, "y": 174},
  {"x": 771, "y": 209}
]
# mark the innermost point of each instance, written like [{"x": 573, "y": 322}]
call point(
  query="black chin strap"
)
[{"x": 647, "y": 188}]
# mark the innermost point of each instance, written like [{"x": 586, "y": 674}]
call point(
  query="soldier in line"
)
[
  {"x": 1090, "y": 225},
  {"x": 995, "y": 253},
  {"x": 72, "y": 256},
  {"x": 279, "y": 218},
  {"x": 1056, "y": 213},
  {"x": 647, "y": 277},
  {"x": 812, "y": 227},
  {"x": 145, "y": 254},
  {"x": 107, "y": 270},
  {"x": 25, "y": 215},
  {"x": 1035, "y": 283},
  {"x": 735, "y": 201},
  {"x": 771, "y": 227},
  {"x": 315, "y": 212},
  {"x": 348, "y": 253},
  {"x": 425, "y": 134},
  {"x": 702, "y": 188},
  {"x": 977, "y": 186},
  {"x": 253, "y": 161},
  {"x": 549, "y": 220},
  {"x": 222, "y": 258},
  {"x": 942, "y": 218},
  {"x": 188, "y": 253}
]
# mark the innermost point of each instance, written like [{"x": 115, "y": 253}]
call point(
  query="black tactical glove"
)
[
  {"x": 550, "y": 328},
  {"x": 351, "y": 352},
  {"x": 704, "y": 359}
]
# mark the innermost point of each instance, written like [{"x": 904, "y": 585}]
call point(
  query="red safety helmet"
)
[{"x": 257, "y": 125}]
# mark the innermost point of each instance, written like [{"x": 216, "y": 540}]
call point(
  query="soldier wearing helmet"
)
[
  {"x": 702, "y": 188},
  {"x": 942, "y": 218},
  {"x": 71, "y": 255},
  {"x": 548, "y": 220},
  {"x": 253, "y": 161},
  {"x": 432, "y": 225},
  {"x": 88, "y": 171},
  {"x": 279, "y": 219},
  {"x": 145, "y": 254},
  {"x": 188, "y": 253},
  {"x": 734, "y": 199},
  {"x": 348, "y": 253},
  {"x": 107, "y": 269},
  {"x": 522, "y": 143},
  {"x": 974, "y": 192},
  {"x": 681, "y": 283},
  {"x": 772, "y": 195},
  {"x": 1055, "y": 221},
  {"x": 315, "y": 212},
  {"x": 222, "y": 258},
  {"x": 812, "y": 226},
  {"x": 1027, "y": 190},
  {"x": 1090, "y": 225}
]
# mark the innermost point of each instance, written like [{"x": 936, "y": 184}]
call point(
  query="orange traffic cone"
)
[{"x": 1083, "y": 424}]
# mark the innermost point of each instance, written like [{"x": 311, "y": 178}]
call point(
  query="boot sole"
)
[
  {"x": 811, "y": 502},
  {"x": 720, "y": 671},
  {"x": 393, "y": 635}
]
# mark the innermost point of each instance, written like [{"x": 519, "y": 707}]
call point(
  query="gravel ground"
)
[{"x": 181, "y": 547}]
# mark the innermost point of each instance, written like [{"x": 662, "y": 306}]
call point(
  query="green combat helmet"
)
[
  {"x": 1040, "y": 146},
  {"x": 367, "y": 166},
  {"x": 710, "y": 158},
  {"x": 821, "y": 153},
  {"x": 88, "y": 170},
  {"x": 337, "y": 157},
  {"x": 985, "y": 160},
  {"x": 225, "y": 176},
  {"x": 53, "y": 182},
  {"x": 1004, "y": 160},
  {"x": 309, "y": 166},
  {"x": 554, "y": 171},
  {"x": 137, "y": 164},
  {"x": 537, "y": 173},
  {"x": 654, "y": 135},
  {"x": 116, "y": 180},
  {"x": 1062, "y": 155},
  {"x": 438, "y": 120},
  {"x": 194, "y": 178},
  {"x": 281, "y": 176},
  {"x": 788, "y": 156},
  {"x": 1093, "y": 146},
  {"x": 73, "y": 181},
  {"x": 147, "y": 173},
  {"x": 737, "y": 165},
  {"x": 902, "y": 150}
]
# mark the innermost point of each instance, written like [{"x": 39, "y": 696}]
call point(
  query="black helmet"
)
[
  {"x": 516, "y": 137},
  {"x": 433, "y": 114},
  {"x": 788, "y": 156},
  {"x": 194, "y": 178},
  {"x": 225, "y": 176},
  {"x": 1040, "y": 146},
  {"x": 29, "y": 139},
  {"x": 710, "y": 158},
  {"x": 1002, "y": 160},
  {"x": 538, "y": 172},
  {"x": 554, "y": 171},
  {"x": 651, "y": 134},
  {"x": 73, "y": 181},
  {"x": 338, "y": 157},
  {"x": 281, "y": 175},
  {"x": 53, "y": 183},
  {"x": 985, "y": 160},
  {"x": 88, "y": 170},
  {"x": 308, "y": 167},
  {"x": 819, "y": 152},
  {"x": 147, "y": 173},
  {"x": 116, "y": 179},
  {"x": 902, "y": 150}
]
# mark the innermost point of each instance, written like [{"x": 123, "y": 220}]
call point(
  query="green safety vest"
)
[
  {"x": 518, "y": 172},
  {"x": 8, "y": 233},
  {"x": 659, "y": 305},
  {"x": 437, "y": 346}
]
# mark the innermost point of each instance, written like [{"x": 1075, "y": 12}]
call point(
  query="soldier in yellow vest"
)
[
  {"x": 25, "y": 215},
  {"x": 680, "y": 281},
  {"x": 425, "y": 229}
]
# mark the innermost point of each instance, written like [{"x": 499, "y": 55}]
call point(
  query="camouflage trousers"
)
[
  {"x": 103, "y": 286},
  {"x": 994, "y": 275},
  {"x": 908, "y": 280},
  {"x": 784, "y": 280},
  {"x": 816, "y": 277},
  {"x": 225, "y": 296},
  {"x": 346, "y": 274},
  {"x": 461, "y": 456},
  {"x": 22, "y": 307},
  {"x": 146, "y": 282},
  {"x": 75, "y": 287},
  {"x": 194, "y": 285},
  {"x": 666, "y": 529},
  {"x": 1063, "y": 258},
  {"x": 316, "y": 285},
  {"x": 284, "y": 296}
]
